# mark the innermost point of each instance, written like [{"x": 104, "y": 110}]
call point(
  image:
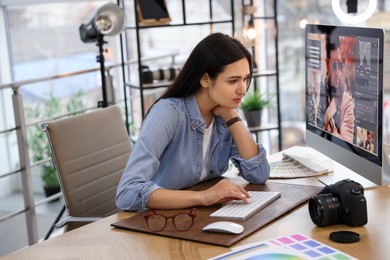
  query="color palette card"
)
[
  {"x": 292, "y": 166},
  {"x": 291, "y": 247}
]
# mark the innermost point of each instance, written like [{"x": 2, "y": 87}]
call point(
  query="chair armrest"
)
[{"x": 68, "y": 219}]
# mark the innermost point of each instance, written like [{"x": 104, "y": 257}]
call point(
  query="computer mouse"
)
[{"x": 224, "y": 227}]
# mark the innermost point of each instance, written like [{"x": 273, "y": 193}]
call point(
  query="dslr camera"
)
[{"x": 340, "y": 203}]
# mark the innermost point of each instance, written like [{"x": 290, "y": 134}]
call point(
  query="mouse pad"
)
[{"x": 291, "y": 196}]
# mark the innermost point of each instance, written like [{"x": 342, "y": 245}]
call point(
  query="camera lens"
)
[
  {"x": 147, "y": 75},
  {"x": 324, "y": 210}
]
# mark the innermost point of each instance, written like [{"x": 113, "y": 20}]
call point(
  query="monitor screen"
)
[{"x": 344, "y": 96}]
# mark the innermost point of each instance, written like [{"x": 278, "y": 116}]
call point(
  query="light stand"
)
[
  {"x": 109, "y": 20},
  {"x": 100, "y": 59}
]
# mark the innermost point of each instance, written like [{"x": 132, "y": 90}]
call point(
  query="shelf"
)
[
  {"x": 265, "y": 73},
  {"x": 148, "y": 26},
  {"x": 145, "y": 91},
  {"x": 145, "y": 86},
  {"x": 264, "y": 17},
  {"x": 263, "y": 127},
  {"x": 180, "y": 22}
]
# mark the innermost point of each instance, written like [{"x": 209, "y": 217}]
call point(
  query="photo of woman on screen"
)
[{"x": 339, "y": 116}]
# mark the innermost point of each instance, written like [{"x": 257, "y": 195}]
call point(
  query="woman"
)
[
  {"x": 339, "y": 115},
  {"x": 192, "y": 131}
]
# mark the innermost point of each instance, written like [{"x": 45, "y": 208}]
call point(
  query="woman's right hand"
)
[{"x": 224, "y": 191}]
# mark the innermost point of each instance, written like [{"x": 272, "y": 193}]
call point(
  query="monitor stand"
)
[
  {"x": 341, "y": 172},
  {"x": 337, "y": 172},
  {"x": 333, "y": 178},
  {"x": 348, "y": 174}
]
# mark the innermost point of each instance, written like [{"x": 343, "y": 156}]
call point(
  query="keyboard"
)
[{"x": 238, "y": 209}]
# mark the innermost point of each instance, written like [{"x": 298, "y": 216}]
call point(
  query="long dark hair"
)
[{"x": 210, "y": 56}]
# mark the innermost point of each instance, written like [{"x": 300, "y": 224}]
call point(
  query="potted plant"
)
[{"x": 252, "y": 106}]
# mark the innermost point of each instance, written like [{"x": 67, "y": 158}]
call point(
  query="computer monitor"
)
[{"x": 344, "y": 97}]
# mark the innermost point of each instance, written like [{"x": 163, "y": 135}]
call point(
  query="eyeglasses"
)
[
  {"x": 337, "y": 65},
  {"x": 181, "y": 221}
]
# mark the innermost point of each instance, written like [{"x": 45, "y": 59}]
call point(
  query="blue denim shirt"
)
[{"x": 168, "y": 154}]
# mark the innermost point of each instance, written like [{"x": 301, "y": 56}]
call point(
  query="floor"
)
[{"x": 13, "y": 231}]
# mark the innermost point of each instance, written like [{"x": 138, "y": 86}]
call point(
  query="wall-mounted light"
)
[
  {"x": 109, "y": 20},
  {"x": 251, "y": 31},
  {"x": 353, "y": 19}
]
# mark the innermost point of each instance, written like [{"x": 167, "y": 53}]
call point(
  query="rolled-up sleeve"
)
[
  {"x": 136, "y": 196},
  {"x": 136, "y": 184},
  {"x": 256, "y": 170}
]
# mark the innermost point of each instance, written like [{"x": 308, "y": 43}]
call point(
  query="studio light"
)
[{"x": 109, "y": 20}]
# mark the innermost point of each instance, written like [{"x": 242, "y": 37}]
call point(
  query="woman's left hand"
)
[{"x": 225, "y": 113}]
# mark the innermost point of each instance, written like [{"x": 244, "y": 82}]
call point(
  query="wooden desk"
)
[{"x": 99, "y": 241}]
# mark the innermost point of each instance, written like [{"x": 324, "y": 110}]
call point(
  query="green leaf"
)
[{"x": 255, "y": 101}]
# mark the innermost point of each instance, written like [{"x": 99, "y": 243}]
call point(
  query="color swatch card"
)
[
  {"x": 295, "y": 167},
  {"x": 291, "y": 247}
]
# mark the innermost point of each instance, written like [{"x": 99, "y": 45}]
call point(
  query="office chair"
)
[{"x": 89, "y": 153}]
